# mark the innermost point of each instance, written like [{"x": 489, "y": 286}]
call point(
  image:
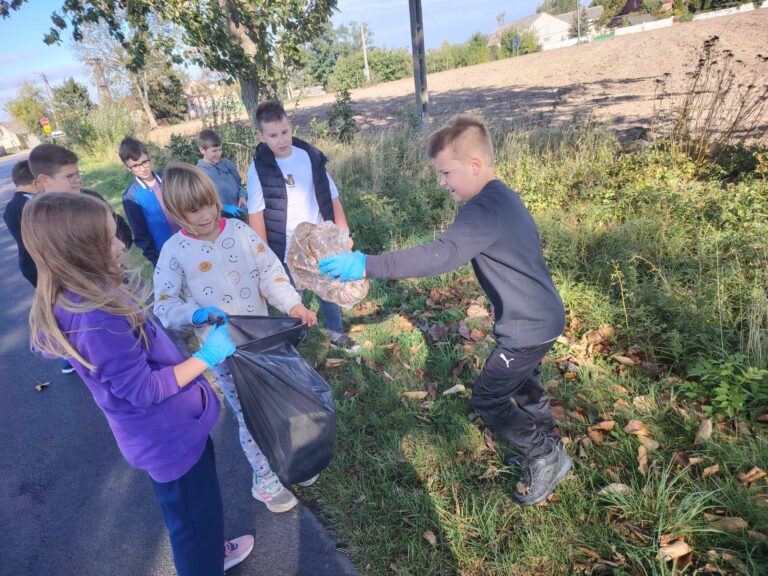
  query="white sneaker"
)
[
  {"x": 237, "y": 550},
  {"x": 276, "y": 497},
  {"x": 310, "y": 481}
]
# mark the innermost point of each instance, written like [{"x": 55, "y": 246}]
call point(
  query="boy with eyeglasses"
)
[{"x": 151, "y": 223}]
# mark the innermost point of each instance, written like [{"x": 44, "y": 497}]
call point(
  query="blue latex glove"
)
[
  {"x": 345, "y": 267},
  {"x": 232, "y": 210},
  {"x": 217, "y": 347},
  {"x": 204, "y": 315}
]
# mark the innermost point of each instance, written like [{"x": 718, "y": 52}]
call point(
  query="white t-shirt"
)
[{"x": 302, "y": 201}]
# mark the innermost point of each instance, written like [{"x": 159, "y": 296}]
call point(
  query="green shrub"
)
[
  {"x": 728, "y": 385},
  {"x": 341, "y": 118},
  {"x": 183, "y": 149},
  {"x": 516, "y": 42}
]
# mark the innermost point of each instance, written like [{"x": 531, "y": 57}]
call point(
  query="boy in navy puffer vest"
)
[{"x": 287, "y": 185}]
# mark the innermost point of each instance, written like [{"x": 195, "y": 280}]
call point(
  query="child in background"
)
[
  {"x": 214, "y": 267},
  {"x": 497, "y": 234},
  {"x": 287, "y": 185},
  {"x": 222, "y": 172},
  {"x": 143, "y": 201},
  {"x": 26, "y": 188},
  {"x": 157, "y": 403}
]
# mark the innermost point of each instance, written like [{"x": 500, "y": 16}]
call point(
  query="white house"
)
[
  {"x": 549, "y": 29},
  {"x": 14, "y": 136},
  {"x": 546, "y": 27}
]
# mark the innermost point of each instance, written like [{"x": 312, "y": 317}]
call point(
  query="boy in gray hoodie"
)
[{"x": 223, "y": 173}]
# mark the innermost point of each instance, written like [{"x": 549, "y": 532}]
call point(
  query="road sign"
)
[
  {"x": 47, "y": 128},
  {"x": 44, "y": 122}
]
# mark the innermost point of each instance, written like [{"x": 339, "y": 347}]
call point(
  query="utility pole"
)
[
  {"x": 365, "y": 54},
  {"x": 419, "y": 60},
  {"x": 50, "y": 99},
  {"x": 578, "y": 21},
  {"x": 102, "y": 89}
]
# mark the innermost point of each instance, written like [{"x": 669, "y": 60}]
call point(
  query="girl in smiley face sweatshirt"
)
[{"x": 213, "y": 267}]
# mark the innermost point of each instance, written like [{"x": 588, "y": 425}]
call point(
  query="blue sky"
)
[{"x": 23, "y": 55}]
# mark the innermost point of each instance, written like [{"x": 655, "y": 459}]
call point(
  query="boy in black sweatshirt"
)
[
  {"x": 26, "y": 188},
  {"x": 497, "y": 234}
]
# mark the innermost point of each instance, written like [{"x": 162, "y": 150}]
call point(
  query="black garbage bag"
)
[{"x": 287, "y": 406}]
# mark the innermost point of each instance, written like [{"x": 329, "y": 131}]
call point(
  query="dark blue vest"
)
[{"x": 276, "y": 196}]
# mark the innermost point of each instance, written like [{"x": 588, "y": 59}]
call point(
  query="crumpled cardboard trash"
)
[{"x": 310, "y": 244}]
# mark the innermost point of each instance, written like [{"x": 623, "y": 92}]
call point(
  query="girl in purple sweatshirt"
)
[{"x": 157, "y": 403}]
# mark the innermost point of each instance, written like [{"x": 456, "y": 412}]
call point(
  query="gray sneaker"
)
[
  {"x": 542, "y": 477},
  {"x": 346, "y": 343},
  {"x": 276, "y": 497}
]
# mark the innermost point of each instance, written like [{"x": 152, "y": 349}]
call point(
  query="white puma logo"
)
[{"x": 507, "y": 361}]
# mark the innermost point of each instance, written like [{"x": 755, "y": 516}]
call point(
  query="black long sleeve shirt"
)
[
  {"x": 12, "y": 218},
  {"x": 494, "y": 231}
]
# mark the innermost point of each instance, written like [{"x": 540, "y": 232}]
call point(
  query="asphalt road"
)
[{"x": 70, "y": 504}]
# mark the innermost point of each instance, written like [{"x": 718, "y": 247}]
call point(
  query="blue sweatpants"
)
[{"x": 194, "y": 517}]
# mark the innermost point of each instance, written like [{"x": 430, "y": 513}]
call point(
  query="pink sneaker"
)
[{"x": 237, "y": 550}]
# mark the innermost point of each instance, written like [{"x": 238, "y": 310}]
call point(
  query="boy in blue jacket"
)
[
  {"x": 495, "y": 232},
  {"x": 222, "y": 172},
  {"x": 143, "y": 201}
]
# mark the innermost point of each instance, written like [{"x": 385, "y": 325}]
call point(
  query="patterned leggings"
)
[{"x": 253, "y": 453}]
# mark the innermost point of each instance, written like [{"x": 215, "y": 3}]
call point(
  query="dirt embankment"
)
[{"x": 613, "y": 80}]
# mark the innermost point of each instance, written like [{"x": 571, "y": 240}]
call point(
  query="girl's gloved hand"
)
[
  {"x": 208, "y": 315},
  {"x": 218, "y": 346},
  {"x": 345, "y": 267},
  {"x": 232, "y": 210}
]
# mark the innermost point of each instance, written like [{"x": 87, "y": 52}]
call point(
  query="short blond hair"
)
[
  {"x": 466, "y": 136},
  {"x": 186, "y": 189}
]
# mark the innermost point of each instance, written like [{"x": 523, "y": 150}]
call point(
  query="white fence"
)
[
  {"x": 727, "y": 11},
  {"x": 645, "y": 26},
  {"x": 562, "y": 43}
]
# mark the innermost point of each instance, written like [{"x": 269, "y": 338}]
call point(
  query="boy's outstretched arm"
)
[{"x": 474, "y": 230}]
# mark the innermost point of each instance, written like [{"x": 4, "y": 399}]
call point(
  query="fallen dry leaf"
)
[
  {"x": 356, "y": 328},
  {"x": 42, "y": 386},
  {"x": 730, "y": 524},
  {"x": 416, "y": 394},
  {"x": 748, "y": 478},
  {"x": 674, "y": 550},
  {"x": 710, "y": 470},
  {"x": 454, "y": 389},
  {"x": 385, "y": 375},
  {"x": 464, "y": 331},
  {"x": 335, "y": 362},
  {"x": 644, "y": 403},
  {"x": 605, "y": 425},
  {"x": 648, "y": 442},
  {"x": 570, "y": 375},
  {"x": 636, "y": 427},
  {"x": 693, "y": 460},
  {"x": 624, "y": 360},
  {"x": 615, "y": 488},
  {"x": 432, "y": 389},
  {"x": 475, "y": 311},
  {"x": 757, "y": 536},
  {"x": 620, "y": 405},
  {"x": 552, "y": 385},
  {"x": 430, "y": 537},
  {"x": 426, "y": 405},
  {"x": 705, "y": 431},
  {"x": 681, "y": 458},
  {"x": 476, "y": 335},
  {"x": 642, "y": 459},
  {"x": 596, "y": 436},
  {"x": 763, "y": 418},
  {"x": 360, "y": 499},
  {"x": 351, "y": 393},
  {"x": 620, "y": 389}
]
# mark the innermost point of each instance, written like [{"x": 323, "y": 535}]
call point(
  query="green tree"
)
[
  {"x": 516, "y": 42},
  {"x": 579, "y": 25},
  {"x": 252, "y": 41},
  {"x": 324, "y": 51},
  {"x": 554, "y": 7},
  {"x": 166, "y": 96},
  {"x": 28, "y": 107},
  {"x": 71, "y": 99}
]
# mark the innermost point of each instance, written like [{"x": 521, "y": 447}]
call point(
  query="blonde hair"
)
[
  {"x": 69, "y": 239},
  {"x": 466, "y": 136},
  {"x": 186, "y": 189}
]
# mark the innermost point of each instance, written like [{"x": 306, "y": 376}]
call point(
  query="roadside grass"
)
[{"x": 657, "y": 263}]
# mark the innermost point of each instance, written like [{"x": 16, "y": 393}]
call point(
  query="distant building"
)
[
  {"x": 632, "y": 7},
  {"x": 548, "y": 29},
  {"x": 14, "y": 136}
]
